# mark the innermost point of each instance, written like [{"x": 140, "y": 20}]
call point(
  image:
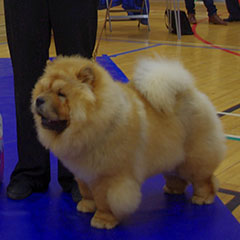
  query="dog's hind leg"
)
[
  {"x": 86, "y": 204},
  {"x": 204, "y": 190},
  {"x": 174, "y": 184},
  {"x": 199, "y": 172}
]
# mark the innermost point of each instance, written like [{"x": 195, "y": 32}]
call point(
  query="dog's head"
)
[{"x": 64, "y": 93}]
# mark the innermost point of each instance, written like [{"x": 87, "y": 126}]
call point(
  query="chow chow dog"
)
[{"x": 112, "y": 136}]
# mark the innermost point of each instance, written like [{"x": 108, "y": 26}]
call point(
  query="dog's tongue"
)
[{"x": 57, "y": 126}]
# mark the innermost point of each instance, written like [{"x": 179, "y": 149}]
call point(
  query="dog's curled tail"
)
[{"x": 162, "y": 81}]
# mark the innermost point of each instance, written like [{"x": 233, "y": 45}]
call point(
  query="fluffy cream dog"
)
[{"x": 112, "y": 136}]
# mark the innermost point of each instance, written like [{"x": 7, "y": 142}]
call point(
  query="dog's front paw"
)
[
  {"x": 86, "y": 206},
  {"x": 104, "y": 220}
]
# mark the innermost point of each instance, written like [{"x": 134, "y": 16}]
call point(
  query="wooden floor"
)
[{"x": 212, "y": 55}]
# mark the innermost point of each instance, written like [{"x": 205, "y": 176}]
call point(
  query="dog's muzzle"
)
[{"x": 54, "y": 125}]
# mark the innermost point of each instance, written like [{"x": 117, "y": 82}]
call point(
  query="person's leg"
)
[
  {"x": 65, "y": 178},
  {"x": 211, "y": 8},
  {"x": 190, "y": 6},
  {"x": 233, "y": 9},
  {"x": 74, "y": 26},
  {"x": 28, "y": 33},
  {"x": 67, "y": 182}
]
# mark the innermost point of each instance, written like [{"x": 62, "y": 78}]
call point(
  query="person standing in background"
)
[
  {"x": 29, "y": 24},
  {"x": 233, "y": 7},
  {"x": 211, "y": 8}
]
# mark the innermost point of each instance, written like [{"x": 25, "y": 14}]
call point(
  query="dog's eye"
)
[{"x": 60, "y": 94}]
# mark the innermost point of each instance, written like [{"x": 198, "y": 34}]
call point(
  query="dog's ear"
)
[{"x": 86, "y": 75}]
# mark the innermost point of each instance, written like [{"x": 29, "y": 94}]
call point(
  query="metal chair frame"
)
[
  {"x": 109, "y": 18},
  {"x": 174, "y": 4}
]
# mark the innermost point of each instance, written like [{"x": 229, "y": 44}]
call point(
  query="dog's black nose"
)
[{"x": 39, "y": 101}]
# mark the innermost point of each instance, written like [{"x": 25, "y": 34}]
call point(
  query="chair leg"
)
[{"x": 108, "y": 16}]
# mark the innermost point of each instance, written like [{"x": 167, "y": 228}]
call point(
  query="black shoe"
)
[
  {"x": 20, "y": 189},
  {"x": 76, "y": 196},
  {"x": 231, "y": 19}
]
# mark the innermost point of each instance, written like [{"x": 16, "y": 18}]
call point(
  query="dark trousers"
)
[
  {"x": 233, "y": 8},
  {"x": 209, "y": 4},
  {"x": 29, "y": 24}
]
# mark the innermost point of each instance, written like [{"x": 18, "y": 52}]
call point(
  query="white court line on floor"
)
[{"x": 230, "y": 114}]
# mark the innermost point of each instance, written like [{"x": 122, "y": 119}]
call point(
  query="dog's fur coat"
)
[{"x": 112, "y": 136}]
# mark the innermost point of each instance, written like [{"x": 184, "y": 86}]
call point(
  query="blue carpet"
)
[{"x": 53, "y": 215}]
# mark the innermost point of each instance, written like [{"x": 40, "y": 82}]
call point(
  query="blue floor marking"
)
[
  {"x": 231, "y": 109},
  {"x": 52, "y": 215},
  {"x": 112, "y": 68},
  {"x": 135, "y": 50}
]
